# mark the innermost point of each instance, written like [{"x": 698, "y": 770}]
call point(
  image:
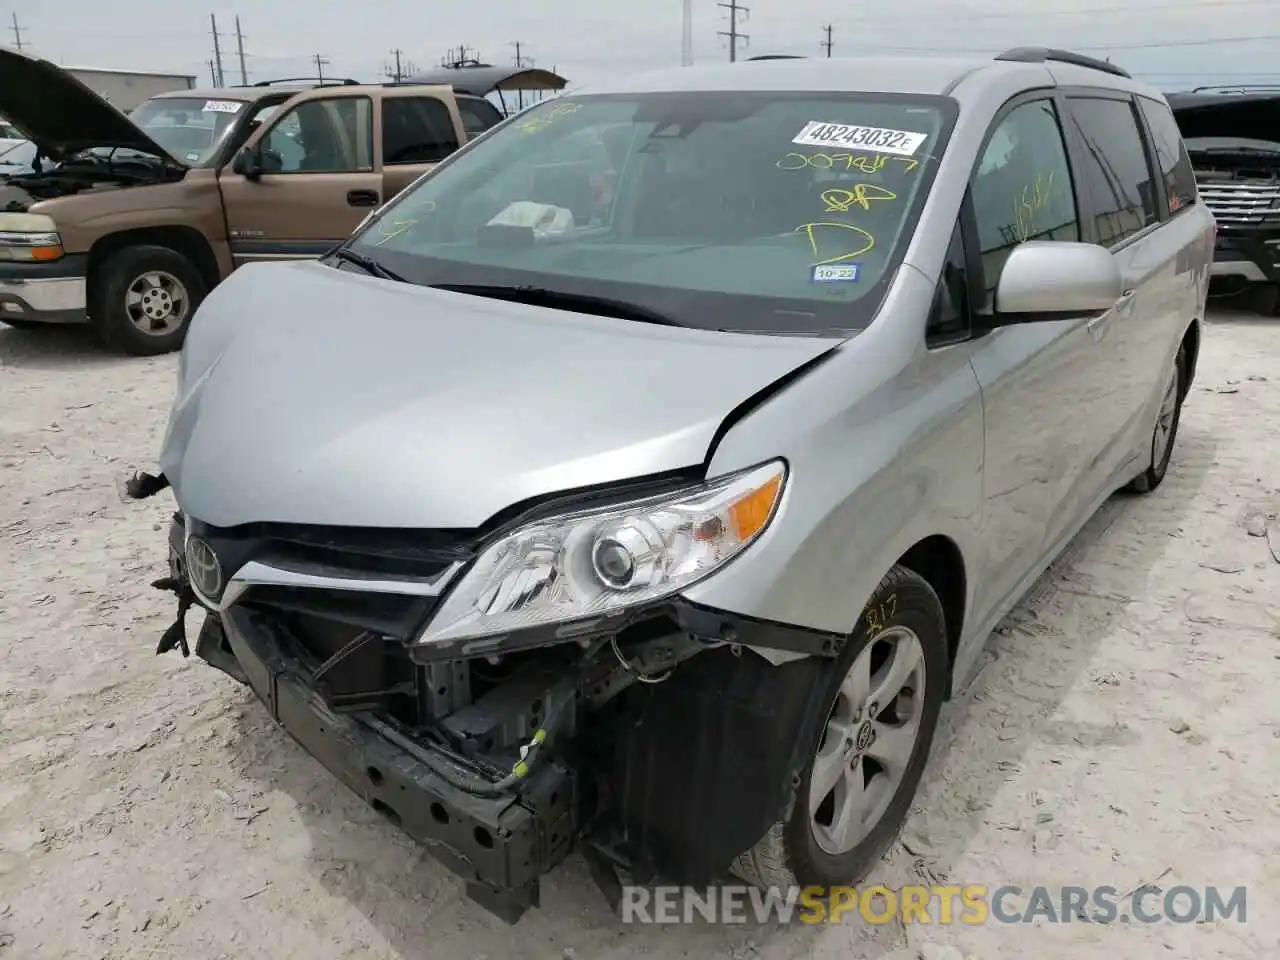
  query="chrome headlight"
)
[
  {"x": 29, "y": 238},
  {"x": 594, "y": 563}
]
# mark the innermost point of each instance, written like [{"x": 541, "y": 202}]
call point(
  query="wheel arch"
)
[
  {"x": 187, "y": 241},
  {"x": 938, "y": 560},
  {"x": 1191, "y": 344}
]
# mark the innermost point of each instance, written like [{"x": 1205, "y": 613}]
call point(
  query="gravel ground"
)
[{"x": 1124, "y": 729}]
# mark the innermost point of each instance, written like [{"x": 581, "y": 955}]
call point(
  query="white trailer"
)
[{"x": 126, "y": 89}]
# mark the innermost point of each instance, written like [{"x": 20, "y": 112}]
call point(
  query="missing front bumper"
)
[{"x": 501, "y": 846}]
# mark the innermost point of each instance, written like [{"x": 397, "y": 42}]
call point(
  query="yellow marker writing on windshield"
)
[
  {"x": 548, "y": 117},
  {"x": 846, "y": 161},
  {"x": 847, "y": 238},
  {"x": 860, "y": 195}
]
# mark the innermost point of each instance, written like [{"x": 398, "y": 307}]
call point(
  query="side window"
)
[
  {"x": 1115, "y": 167},
  {"x": 322, "y": 136},
  {"x": 258, "y": 115},
  {"x": 1022, "y": 188},
  {"x": 477, "y": 115},
  {"x": 1175, "y": 164},
  {"x": 416, "y": 130}
]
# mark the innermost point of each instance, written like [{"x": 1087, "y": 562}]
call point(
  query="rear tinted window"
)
[
  {"x": 416, "y": 130},
  {"x": 1175, "y": 165},
  {"x": 1115, "y": 167},
  {"x": 477, "y": 115}
]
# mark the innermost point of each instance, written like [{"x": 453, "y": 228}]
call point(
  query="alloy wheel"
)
[{"x": 869, "y": 739}]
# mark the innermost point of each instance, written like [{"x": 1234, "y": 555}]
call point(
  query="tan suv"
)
[{"x": 128, "y": 222}]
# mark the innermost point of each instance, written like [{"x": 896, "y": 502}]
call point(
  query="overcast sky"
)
[{"x": 1165, "y": 41}]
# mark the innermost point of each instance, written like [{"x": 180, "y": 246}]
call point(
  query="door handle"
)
[
  {"x": 362, "y": 198},
  {"x": 1098, "y": 325}
]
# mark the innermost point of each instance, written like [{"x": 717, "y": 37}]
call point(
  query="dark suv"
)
[{"x": 1233, "y": 138}]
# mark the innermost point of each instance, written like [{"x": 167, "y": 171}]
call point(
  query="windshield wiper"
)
[
  {"x": 367, "y": 264},
  {"x": 585, "y": 303}
]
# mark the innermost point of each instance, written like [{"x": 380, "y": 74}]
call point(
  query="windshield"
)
[
  {"x": 767, "y": 212},
  {"x": 16, "y": 156},
  {"x": 191, "y": 129}
]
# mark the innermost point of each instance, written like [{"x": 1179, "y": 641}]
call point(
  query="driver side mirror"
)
[
  {"x": 252, "y": 162},
  {"x": 247, "y": 164},
  {"x": 1045, "y": 280}
]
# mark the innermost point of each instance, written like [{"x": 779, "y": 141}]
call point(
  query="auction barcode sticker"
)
[
  {"x": 222, "y": 106},
  {"x": 903, "y": 143}
]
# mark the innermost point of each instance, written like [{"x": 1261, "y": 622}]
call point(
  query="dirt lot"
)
[{"x": 1125, "y": 728}]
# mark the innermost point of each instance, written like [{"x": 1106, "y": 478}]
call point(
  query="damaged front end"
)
[
  {"x": 1233, "y": 140},
  {"x": 486, "y": 692}
]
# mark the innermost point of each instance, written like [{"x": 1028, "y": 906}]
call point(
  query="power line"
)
[
  {"x": 244, "y": 74},
  {"x": 399, "y": 69},
  {"x": 459, "y": 56},
  {"x": 219, "y": 80},
  {"x": 827, "y": 42},
  {"x": 1159, "y": 45},
  {"x": 686, "y": 34},
  {"x": 732, "y": 33},
  {"x": 521, "y": 61},
  {"x": 320, "y": 63},
  {"x": 17, "y": 32},
  {"x": 913, "y": 14}
]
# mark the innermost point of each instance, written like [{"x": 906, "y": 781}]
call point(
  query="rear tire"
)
[
  {"x": 1165, "y": 433},
  {"x": 143, "y": 299},
  {"x": 888, "y": 736}
]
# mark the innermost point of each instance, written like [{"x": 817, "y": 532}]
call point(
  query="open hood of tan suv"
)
[{"x": 60, "y": 114}]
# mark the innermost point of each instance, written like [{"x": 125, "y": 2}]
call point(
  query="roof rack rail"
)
[
  {"x": 1045, "y": 54},
  {"x": 322, "y": 81},
  {"x": 779, "y": 56},
  {"x": 1239, "y": 88}
]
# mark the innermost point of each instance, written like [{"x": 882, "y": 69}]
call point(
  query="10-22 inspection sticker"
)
[
  {"x": 835, "y": 273},
  {"x": 902, "y": 143}
]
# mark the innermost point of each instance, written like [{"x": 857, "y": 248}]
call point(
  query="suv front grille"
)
[
  {"x": 1240, "y": 201},
  {"x": 322, "y": 608}
]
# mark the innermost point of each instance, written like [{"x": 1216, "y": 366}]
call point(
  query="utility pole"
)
[
  {"x": 686, "y": 35},
  {"x": 827, "y": 42},
  {"x": 520, "y": 62},
  {"x": 17, "y": 33},
  {"x": 320, "y": 62},
  {"x": 732, "y": 33},
  {"x": 213, "y": 72},
  {"x": 400, "y": 69},
  {"x": 217, "y": 50},
  {"x": 462, "y": 55},
  {"x": 244, "y": 74}
]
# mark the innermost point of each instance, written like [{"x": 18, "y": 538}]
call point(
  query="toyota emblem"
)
[{"x": 203, "y": 569}]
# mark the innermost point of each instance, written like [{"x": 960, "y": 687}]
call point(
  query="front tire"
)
[
  {"x": 143, "y": 300},
  {"x": 1166, "y": 428},
  {"x": 885, "y": 693}
]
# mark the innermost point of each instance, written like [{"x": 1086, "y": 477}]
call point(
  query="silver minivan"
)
[{"x": 642, "y": 479}]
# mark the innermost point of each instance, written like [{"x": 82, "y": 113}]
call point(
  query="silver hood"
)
[{"x": 320, "y": 396}]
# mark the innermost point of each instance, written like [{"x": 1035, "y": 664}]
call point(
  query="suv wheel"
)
[
  {"x": 143, "y": 300},
  {"x": 1166, "y": 428},
  {"x": 885, "y": 694}
]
